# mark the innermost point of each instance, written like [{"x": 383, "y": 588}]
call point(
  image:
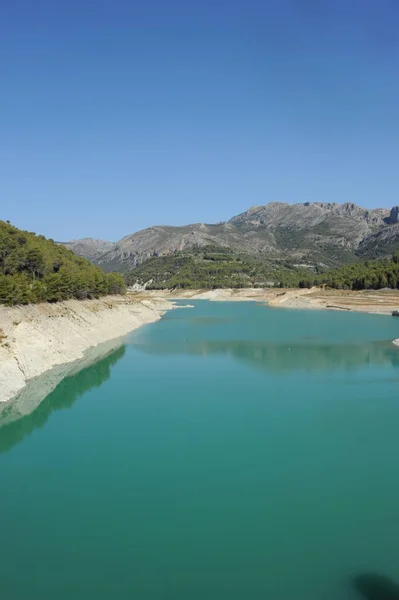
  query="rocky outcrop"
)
[
  {"x": 383, "y": 242},
  {"x": 38, "y": 337},
  {"x": 394, "y": 216},
  {"x": 316, "y": 233}
]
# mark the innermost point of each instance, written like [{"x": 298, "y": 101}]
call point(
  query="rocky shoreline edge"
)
[{"x": 57, "y": 338}]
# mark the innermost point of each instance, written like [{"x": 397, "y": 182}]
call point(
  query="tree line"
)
[
  {"x": 368, "y": 275},
  {"x": 35, "y": 269}
]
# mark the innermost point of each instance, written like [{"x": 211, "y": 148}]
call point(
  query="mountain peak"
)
[{"x": 311, "y": 232}]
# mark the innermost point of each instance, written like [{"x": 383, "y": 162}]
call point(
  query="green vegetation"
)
[
  {"x": 36, "y": 269},
  {"x": 370, "y": 275},
  {"x": 214, "y": 267}
]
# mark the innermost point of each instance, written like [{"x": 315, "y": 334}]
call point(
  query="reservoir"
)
[{"x": 230, "y": 451}]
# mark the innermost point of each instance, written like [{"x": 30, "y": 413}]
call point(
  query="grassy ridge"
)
[{"x": 36, "y": 269}]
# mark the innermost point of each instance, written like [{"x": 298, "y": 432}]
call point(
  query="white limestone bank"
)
[{"x": 38, "y": 337}]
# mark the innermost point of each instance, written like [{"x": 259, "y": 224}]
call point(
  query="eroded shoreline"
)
[
  {"x": 41, "y": 338},
  {"x": 53, "y": 338},
  {"x": 379, "y": 302}
]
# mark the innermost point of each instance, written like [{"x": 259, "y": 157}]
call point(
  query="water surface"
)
[{"x": 229, "y": 451}]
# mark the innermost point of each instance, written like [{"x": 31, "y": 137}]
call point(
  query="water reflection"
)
[
  {"x": 63, "y": 396},
  {"x": 277, "y": 357}
]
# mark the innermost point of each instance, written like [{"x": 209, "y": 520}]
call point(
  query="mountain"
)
[
  {"x": 88, "y": 247},
  {"x": 325, "y": 234},
  {"x": 165, "y": 240}
]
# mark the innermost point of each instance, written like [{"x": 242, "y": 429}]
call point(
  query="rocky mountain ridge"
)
[
  {"x": 315, "y": 233},
  {"x": 90, "y": 248}
]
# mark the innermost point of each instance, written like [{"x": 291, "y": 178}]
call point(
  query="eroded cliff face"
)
[{"x": 36, "y": 338}]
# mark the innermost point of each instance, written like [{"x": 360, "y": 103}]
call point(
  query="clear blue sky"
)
[{"x": 117, "y": 115}]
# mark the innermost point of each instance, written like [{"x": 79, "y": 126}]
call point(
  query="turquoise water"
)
[{"x": 230, "y": 451}]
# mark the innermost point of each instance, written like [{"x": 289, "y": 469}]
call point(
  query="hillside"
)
[
  {"x": 320, "y": 234},
  {"x": 213, "y": 267},
  {"x": 368, "y": 275},
  {"x": 88, "y": 247},
  {"x": 36, "y": 269}
]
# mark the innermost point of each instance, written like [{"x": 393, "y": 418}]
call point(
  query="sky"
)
[{"x": 116, "y": 115}]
